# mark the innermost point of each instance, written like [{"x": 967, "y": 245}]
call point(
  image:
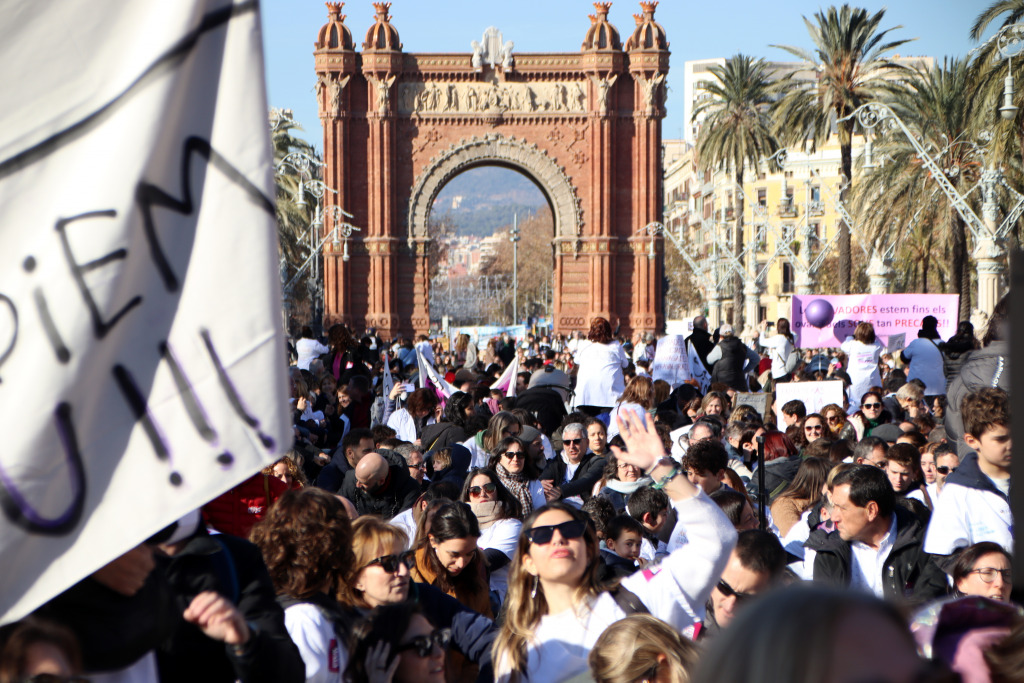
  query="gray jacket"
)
[{"x": 987, "y": 367}]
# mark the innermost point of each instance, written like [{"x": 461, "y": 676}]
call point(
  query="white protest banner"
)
[
  {"x": 507, "y": 381},
  {"x": 141, "y": 358},
  {"x": 896, "y": 342},
  {"x": 815, "y": 395},
  {"x": 671, "y": 362}
]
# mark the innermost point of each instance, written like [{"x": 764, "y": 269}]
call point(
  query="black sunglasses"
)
[
  {"x": 572, "y": 441},
  {"x": 871, "y": 405},
  {"x": 476, "y": 490},
  {"x": 542, "y": 535},
  {"x": 390, "y": 563},
  {"x": 728, "y": 591},
  {"x": 944, "y": 469},
  {"x": 514, "y": 455},
  {"x": 424, "y": 645}
]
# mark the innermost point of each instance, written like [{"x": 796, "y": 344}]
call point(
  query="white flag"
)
[
  {"x": 141, "y": 358},
  {"x": 507, "y": 381},
  {"x": 671, "y": 360},
  {"x": 389, "y": 381},
  {"x": 430, "y": 378}
]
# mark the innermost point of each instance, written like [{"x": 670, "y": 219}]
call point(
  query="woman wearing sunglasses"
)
[
  {"x": 838, "y": 426},
  {"x": 497, "y": 512},
  {"x": 872, "y": 413},
  {"x": 381, "y": 576},
  {"x": 518, "y": 473},
  {"x": 397, "y": 644},
  {"x": 556, "y": 609}
]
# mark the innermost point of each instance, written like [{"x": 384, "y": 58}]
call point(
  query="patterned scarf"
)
[{"x": 518, "y": 486}]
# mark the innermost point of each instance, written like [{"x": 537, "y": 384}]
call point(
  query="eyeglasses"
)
[
  {"x": 570, "y": 442},
  {"x": 871, "y": 406},
  {"x": 944, "y": 469},
  {"x": 625, "y": 465},
  {"x": 728, "y": 591},
  {"x": 477, "y": 490},
  {"x": 834, "y": 418},
  {"x": 424, "y": 645},
  {"x": 391, "y": 563},
  {"x": 812, "y": 428},
  {"x": 988, "y": 574},
  {"x": 514, "y": 455},
  {"x": 421, "y": 466},
  {"x": 542, "y": 535}
]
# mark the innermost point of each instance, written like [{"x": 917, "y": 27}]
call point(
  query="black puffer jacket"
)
[
  {"x": 910, "y": 574},
  {"x": 987, "y": 367}
]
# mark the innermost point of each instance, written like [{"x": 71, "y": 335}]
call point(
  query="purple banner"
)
[{"x": 826, "y": 320}]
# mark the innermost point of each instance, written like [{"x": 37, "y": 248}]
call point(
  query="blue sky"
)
[{"x": 696, "y": 30}]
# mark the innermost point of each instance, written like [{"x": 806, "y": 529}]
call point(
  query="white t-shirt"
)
[
  {"x": 926, "y": 365},
  {"x": 313, "y": 633},
  {"x": 308, "y": 350},
  {"x": 863, "y": 368},
  {"x": 599, "y": 381},
  {"x": 779, "y": 350}
]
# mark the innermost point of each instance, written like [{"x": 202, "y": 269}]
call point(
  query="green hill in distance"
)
[{"x": 484, "y": 199}]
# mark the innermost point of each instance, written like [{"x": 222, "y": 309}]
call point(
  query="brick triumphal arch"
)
[{"x": 584, "y": 126}]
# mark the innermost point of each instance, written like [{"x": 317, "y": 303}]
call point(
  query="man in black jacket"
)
[
  {"x": 545, "y": 397},
  {"x": 571, "y": 477},
  {"x": 877, "y": 546},
  {"x": 376, "y": 487},
  {"x": 701, "y": 339}
]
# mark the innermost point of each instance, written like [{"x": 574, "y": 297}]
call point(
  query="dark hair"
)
[
  {"x": 794, "y": 407},
  {"x": 819, "y": 448},
  {"x": 868, "y": 483},
  {"x": 731, "y": 503},
  {"x": 17, "y": 638},
  {"x": 984, "y": 409},
  {"x": 353, "y": 438},
  {"x": 620, "y": 523},
  {"x": 906, "y": 455},
  {"x": 530, "y": 471},
  {"x": 646, "y": 500},
  {"x": 600, "y": 331},
  {"x": 782, "y": 327},
  {"x": 969, "y": 556},
  {"x": 381, "y": 432},
  {"x": 511, "y": 509},
  {"x": 761, "y": 552},
  {"x": 601, "y": 511},
  {"x": 387, "y": 623},
  {"x": 451, "y": 520},
  {"x": 306, "y": 542},
  {"x": 711, "y": 422},
  {"x": 306, "y": 332},
  {"x": 708, "y": 456},
  {"x": 839, "y": 451},
  {"x": 455, "y": 409}
]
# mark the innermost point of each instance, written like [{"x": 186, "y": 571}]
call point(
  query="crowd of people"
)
[{"x": 589, "y": 523}]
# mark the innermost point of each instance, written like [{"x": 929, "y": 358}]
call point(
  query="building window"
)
[
  {"x": 815, "y": 193},
  {"x": 762, "y": 197},
  {"x": 787, "y": 278}
]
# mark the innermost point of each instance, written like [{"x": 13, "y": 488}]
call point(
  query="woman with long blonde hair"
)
[{"x": 557, "y": 608}]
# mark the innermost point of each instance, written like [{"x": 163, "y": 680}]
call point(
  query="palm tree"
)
[
  {"x": 849, "y": 58},
  {"x": 900, "y": 199},
  {"x": 737, "y": 131}
]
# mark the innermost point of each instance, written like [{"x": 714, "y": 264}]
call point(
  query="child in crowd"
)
[
  {"x": 649, "y": 506},
  {"x": 975, "y": 504},
  {"x": 623, "y": 537},
  {"x": 705, "y": 463}
]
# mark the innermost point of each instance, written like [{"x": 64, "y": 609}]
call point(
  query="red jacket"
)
[{"x": 235, "y": 511}]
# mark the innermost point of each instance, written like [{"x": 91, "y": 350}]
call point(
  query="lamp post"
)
[
  {"x": 515, "y": 268},
  {"x": 989, "y": 250}
]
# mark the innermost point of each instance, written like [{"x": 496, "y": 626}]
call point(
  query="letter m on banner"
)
[{"x": 142, "y": 368}]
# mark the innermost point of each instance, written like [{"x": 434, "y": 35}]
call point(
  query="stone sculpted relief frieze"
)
[{"x": 470, "y": 98}]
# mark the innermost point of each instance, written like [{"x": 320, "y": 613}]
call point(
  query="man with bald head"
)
[{"x": 376, "y": 487}]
